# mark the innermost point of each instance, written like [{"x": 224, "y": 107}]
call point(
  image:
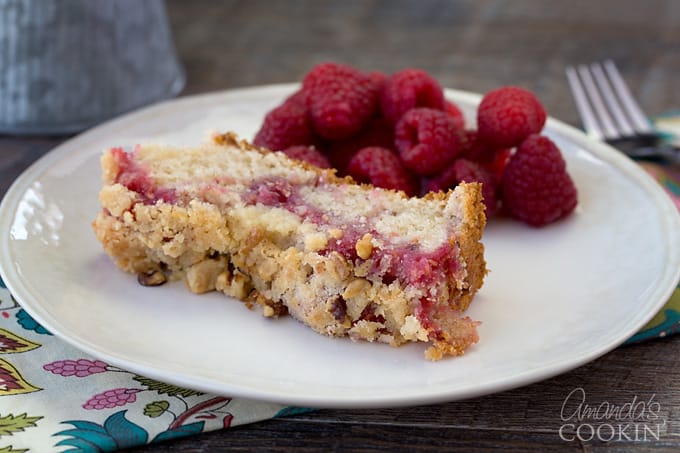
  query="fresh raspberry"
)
[
  {"x": 307, "y": 154},
  {"x": 473, "y": 148},
  {"x": 536, "y": 186},
  {"x": 340, "y": 98},
  {"x": 285, "y": 126},
  {"x": 469, "y": 171},
  {"x": 379, "y": 79},
  {"x": 455, "y": 113},
  {"x": 378, "y": 132},
  {"x": 441, "y": 182},
  {"x": 464, "y": 170},
  {"x": 498, "y": 162},
  {"x": 508, "y": 115},
  {"x": 382, "y": 168},
  {"x": 409, "y": 89},
  {"x": 427, "y": 140},
  {"x": 339, "y": 154}
]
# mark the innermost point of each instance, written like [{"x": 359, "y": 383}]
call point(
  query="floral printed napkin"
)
[
  {"x": 667, "y": 321},
  {"x": 55, "y": 398}
]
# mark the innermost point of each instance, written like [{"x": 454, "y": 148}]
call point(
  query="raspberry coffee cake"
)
[{"x": 345, "y": 259}]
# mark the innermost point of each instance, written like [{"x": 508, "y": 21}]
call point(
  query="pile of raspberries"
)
[{"x": 400, "y": 132}]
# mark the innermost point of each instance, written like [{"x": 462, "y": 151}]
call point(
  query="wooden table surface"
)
[{"x": 469, "y": 45}]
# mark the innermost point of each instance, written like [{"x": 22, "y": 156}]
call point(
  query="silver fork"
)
[{"x": 610, "y": 113}]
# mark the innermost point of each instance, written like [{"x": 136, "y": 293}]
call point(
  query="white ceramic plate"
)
[{"x": 556, "y": 297}]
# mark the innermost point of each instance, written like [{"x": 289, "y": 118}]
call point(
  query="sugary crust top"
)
[{"x": 427, "y": 222}]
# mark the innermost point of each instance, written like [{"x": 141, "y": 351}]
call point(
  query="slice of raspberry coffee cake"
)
[{"x": 343, "y": 258}]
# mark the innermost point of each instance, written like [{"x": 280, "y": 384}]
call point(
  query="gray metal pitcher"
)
[{"x": 66, "y": 65}]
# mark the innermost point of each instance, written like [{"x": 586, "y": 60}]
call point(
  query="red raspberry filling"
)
[
  {"x": 403, "y": 262},
  {"x": 136, "y": 178},
  {"x": 270, "y": 192}
]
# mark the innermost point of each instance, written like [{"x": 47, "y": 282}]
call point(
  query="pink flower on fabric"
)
[
  {"x": 112, "y": 398},
  {"x": 78, "y": 368}
]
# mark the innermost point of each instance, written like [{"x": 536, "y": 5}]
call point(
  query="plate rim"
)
[{"x": 14, "y": 282}]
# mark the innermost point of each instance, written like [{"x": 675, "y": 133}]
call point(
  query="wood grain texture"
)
[
  {"x": 524, "y": 419},
  {"x": 470, "y": 45}
]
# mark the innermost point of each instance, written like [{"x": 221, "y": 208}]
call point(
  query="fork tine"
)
[
  {"x": 640, "y": 122},
  {"x": 585, "y": 111},
  {"x": 608, "y": 128},
  {"x": 622, "y": 123}
]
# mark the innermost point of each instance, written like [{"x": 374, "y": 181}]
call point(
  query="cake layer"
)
[{"x": 343, "y": 258}]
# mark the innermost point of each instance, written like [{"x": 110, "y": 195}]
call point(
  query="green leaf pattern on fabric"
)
[
  {"x": 156, "y": 408},
  {"x": 10, "y": 424},
  {"x": 167, "y": 389},
  {"x": 9, "y": 449}
]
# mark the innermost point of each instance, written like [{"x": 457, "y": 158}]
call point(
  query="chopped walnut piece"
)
[
  {"x": 356, "y": 287},
  {"x": 315, "y": 242},
  {"x": 335, "y": 233},
  {"x": 202, "y": 277},
  {"x": 234, "y": 284},
  {"x": 364, "y": 246},
  {"x": 153, "y": 278},
  {"x": 270, "y": 309}
]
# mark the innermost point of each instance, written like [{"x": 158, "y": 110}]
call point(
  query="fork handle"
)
[{"x": 665, "y": 153}]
